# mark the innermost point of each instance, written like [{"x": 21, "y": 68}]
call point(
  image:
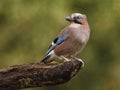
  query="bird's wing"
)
[{"x": 57, "y": 41}]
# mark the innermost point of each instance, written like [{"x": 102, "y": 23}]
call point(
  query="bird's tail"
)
[{"x": 45, "y": 58}]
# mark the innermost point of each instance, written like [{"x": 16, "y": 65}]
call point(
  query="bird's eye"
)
[{"x": 78, "y": 17}]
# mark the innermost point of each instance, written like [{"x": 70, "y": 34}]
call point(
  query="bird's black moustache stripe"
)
[{"x": 77, "y": 22}]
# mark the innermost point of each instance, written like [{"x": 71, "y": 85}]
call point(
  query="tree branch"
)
[{"x": 38, "y": 74}]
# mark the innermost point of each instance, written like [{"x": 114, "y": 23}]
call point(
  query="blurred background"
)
[{"x": 27, "y": 28}]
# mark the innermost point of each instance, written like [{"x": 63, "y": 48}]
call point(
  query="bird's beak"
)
[{"x": 68, "y": 18}]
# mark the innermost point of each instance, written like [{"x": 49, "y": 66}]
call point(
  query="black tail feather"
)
[{"x": 45, "y": 58}]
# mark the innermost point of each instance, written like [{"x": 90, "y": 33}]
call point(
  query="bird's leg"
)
[
  {"x": 73, "y": 57},
  {"x": 64, "y": 58},
  {"x": 76, "y": 58}
]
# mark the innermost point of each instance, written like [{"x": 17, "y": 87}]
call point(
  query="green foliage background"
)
[{"x": 27, "y": 27}]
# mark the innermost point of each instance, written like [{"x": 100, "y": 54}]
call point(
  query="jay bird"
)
[{"x": 71, "y": 40}]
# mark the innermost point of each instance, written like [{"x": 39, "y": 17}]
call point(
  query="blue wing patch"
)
[{"x": 59, "y": 40}]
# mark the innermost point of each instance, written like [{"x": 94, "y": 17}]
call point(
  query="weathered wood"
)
[{"x": 38, "y": 74}]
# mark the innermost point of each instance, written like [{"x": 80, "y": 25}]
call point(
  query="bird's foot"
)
[
  {"x": 64, "y": 58},
  {"x": 78, "y": 60}
]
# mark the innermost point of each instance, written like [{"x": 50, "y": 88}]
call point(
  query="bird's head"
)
[{"x": 76, "y": 18}]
